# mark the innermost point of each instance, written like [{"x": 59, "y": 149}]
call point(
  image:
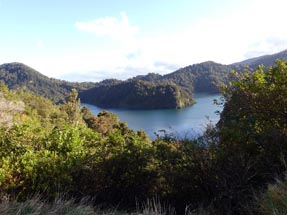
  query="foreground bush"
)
[{"x": 251, "y": 137}]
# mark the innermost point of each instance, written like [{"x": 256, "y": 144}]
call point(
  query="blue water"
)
[{"x": 187, "y": 122}]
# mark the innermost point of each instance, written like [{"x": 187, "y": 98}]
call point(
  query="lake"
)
[{"x": 186, "y": 122}]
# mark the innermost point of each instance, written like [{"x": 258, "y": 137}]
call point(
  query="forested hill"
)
[
  {"x": 108, "y": 93},
  {"x": 151, "y": 91},
  {"x": 203, "y": 77},
  {"x": 137, "y": 94},
  {"x": 20, "y": 76},
  {"x": 197, "y": 78},
  {"x": 266, "y": 60}
]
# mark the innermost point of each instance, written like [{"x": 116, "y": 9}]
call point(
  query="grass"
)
[
  {"x": 274, "y": 200},
  {"x": 36, "y": 206},
  {"x": 62, "y": 206}
]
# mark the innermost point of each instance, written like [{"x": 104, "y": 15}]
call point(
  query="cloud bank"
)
[{"x": 230, "y": 38}]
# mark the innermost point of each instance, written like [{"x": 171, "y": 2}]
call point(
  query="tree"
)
[
  {"x": 252, "y": 137},
  {"x": 72, "y": 108},
  {"x": 256, "y": 106}
]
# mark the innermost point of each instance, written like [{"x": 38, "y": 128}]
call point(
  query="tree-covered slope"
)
[
  {"x": 108, "y": 93},
  {"x": 197, "y": 78},
  {"x": 20, "y": 76},
  {"x": 151, "y": 91},
  {"x": 203, "y": 77},
  {"x": 266, "y": 60},
  {"x": 137, "y": 94},
  {"x": 206, "y": 76}
]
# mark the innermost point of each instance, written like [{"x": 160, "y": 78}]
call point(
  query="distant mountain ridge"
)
[
  {"x": 151, "y": 91},
  {"x": 202, "y": 77},
  {"x": 266, "y": 60}
]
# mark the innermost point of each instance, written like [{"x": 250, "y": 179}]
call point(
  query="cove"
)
[{"x": 187, "y": 122}]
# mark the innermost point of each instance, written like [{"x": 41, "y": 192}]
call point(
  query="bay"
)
[{"x": 187, "y": 122}]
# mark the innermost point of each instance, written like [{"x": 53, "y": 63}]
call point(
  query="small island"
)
[{"x": 137, "y": 94}]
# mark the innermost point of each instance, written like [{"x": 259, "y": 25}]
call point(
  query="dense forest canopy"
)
[{"x": 138, "y": 95}]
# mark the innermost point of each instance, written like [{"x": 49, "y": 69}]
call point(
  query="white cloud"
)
[
  {"x": 224, "y": 39},
  {"x": 109, "y": 26},
  {"x": 232, "y": 37}
]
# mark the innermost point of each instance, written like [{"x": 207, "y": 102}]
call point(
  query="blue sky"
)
[{"x": 90, "y": 40}]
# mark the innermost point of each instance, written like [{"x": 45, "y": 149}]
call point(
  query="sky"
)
[{"x": 92, "y": 40}]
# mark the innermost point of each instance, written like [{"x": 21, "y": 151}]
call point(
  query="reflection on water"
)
[{"x": 186, "y": 122}]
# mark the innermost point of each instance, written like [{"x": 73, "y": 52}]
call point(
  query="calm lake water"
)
[{"x": 186, "y": 122}]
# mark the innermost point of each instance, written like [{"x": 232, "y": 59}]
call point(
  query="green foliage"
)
[
  {"x": 65, "y": 148},
  {"x": 255, "y": 111},
  {"x": 251, "y": 136},
  {"x": 72, "y": 108},
  {"x": 203, "y": 77},
  {"x": 137, "y": 94},
  {"x": 48, "y": 151},
  {"x": 109, "y": 93},
  {"x": 119, "y": 170},
  {"x": 154, "y": 91},
  {"x": 274, "y": 200},
  {"x": 3, "y": 87},
  {"x": 103, "y": 123},
  {"x": 19, "y": 76}
]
